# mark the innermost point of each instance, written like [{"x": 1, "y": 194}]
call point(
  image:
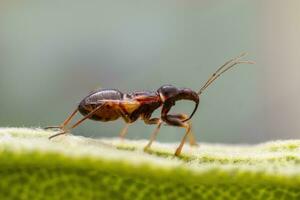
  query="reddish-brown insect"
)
[{"x": 110, "y": 104}]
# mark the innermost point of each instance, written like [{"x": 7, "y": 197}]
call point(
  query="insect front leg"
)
[
  {"x": 176, "y": 120},
  {"x": 191, "y": 136}
]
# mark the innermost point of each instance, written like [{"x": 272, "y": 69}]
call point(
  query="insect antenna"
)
[{"x": 226, "y": 66}]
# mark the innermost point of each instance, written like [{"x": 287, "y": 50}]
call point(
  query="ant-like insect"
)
[{"x": 110, "y": 104}]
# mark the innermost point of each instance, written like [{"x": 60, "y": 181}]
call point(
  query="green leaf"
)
[{"x": 74, "y": 167}]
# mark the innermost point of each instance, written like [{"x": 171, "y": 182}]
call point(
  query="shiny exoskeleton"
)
[{"x": 111, "y": 104}]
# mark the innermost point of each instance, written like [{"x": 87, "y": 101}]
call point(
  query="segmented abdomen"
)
[{"x": 107, "y": 112}]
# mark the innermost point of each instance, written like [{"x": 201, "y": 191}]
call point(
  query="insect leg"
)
[
  {"x": 127, "y": 118},
  {"x": 65, "y": 123},
  {"x": 78, "y": 122},
  {"x": 157, "y": 121},
  {"x": 174, "y": 120},
  {"x": 123, "y": 132},
  {"x": 191, "y": 136}
]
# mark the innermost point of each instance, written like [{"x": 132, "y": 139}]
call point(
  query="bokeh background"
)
[{"x": 52, "y": 53}]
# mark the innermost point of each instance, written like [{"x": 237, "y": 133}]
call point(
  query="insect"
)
[{"x": 110, "y": 104}]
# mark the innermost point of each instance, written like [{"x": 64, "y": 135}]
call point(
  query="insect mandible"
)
[{"x": 110, "y": 104}]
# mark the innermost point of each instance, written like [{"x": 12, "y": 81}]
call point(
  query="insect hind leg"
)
[
  {"x": 65, "y": 123},
  {"x": 57, "y": 134},
  {"x": 65, "y": 131}
]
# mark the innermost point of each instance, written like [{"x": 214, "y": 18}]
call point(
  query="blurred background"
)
[{"x": 52, "y": 53}]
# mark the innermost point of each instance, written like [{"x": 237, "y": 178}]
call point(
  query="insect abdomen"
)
[{"x": 101, "y": 97}]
